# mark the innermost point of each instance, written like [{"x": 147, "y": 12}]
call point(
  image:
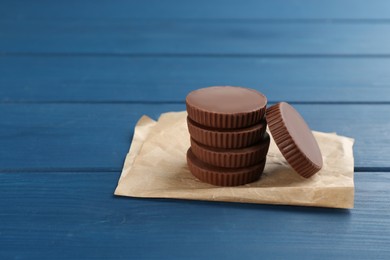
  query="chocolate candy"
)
[
  {"x": 232, "y": 158},
  {"x": 223, "y": 176},
  {"x": 226, "y": 107},
  {"x": 226, "y": 138},
  {"x": 294, "y": 139}
]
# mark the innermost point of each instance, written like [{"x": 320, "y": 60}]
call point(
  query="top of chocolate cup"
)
[
  {"x": 226, "y": 106},
  {"x": 294, "y": 139}
]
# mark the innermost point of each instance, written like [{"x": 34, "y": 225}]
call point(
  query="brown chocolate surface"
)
[
  {"x": 226, "y": 106},
  {"x": 233, "y": 138},
  {"x": 232, "y": 158},
  {"x": 223, "y": 176},
  {"x": 294, "y": 139}
]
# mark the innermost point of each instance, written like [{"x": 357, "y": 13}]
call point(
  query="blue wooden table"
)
[{"x": 75, "y": 76}]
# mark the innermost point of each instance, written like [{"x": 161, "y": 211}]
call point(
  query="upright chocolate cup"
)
[
  {"x": 294, "y": 139},
  {"x": 226, "y": 107}
]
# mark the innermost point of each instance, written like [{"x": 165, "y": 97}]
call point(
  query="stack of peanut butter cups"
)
[{"x": 229, "y": 142}]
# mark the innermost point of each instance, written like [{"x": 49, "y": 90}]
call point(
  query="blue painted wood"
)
[
  {"x": 203, "y": 9},
  {"x": 97, "y": 136},
  {"x": 111, "y": 79},
  {"x": 75, "y": 216},
  {"x": 178, "y": 37},
  {"x": 104, "y": 53}
]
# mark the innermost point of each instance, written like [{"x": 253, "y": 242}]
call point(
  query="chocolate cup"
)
[
  {"x": 223, "y": 176},
  {"x": 222, "y": 138},
  {"x": 232, "y": 158},
  {"x": 294, "y": 139},
  {"x": 226, "y": 107}
]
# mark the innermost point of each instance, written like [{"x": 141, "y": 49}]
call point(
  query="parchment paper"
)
[{"x": 156, "y": 167}]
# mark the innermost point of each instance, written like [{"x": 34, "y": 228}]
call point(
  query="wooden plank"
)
[
  {"x": 178, "y": 37},
  {"x": 109, "y": 79},
  {"x": 75, "y": 216},
  {"x": 97, "y": 136},
  {"x": 203, "y": 9}
]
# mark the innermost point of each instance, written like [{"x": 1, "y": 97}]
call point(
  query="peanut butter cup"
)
[
  {"x": 226, "y": 107},
  {"x": 226, "y": 138},
  {"x": 294, "y": 139},
  {"x": 232, "y": 158},
  {"x": 223, "y": 176}
]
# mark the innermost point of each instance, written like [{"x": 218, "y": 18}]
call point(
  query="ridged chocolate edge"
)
[
  {"x": 294, "y": 156},
  {"x": 225, "y": 179},
  {"x": 226, "y": 139},
  {"x": 226, "y": 121},
  {"x": 229, "y": 159}
]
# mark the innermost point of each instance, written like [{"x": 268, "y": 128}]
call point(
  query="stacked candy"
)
[{"x": 229, "y": 142}]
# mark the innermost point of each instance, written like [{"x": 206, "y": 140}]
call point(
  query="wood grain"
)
[
  {"x": 75, "y": 216},
  {"x": 205, "y": 38},
  {"x": 75, "y": 76},
  {"x": 123, "y": 79},
  {"x": 202, "y": 9},
  {"x": 97, "y": 136}
]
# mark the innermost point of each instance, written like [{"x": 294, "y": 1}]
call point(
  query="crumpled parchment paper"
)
[{"x": 156, "y": 167}]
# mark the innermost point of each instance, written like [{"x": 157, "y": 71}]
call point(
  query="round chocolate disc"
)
[
  {"x": 223, "y": 176},
  {"x": 232, "y": 158},
  {"x": 226, "y": 138},
  {"x": 294, "y": 139},
  {"x": 226, "y": 107}
]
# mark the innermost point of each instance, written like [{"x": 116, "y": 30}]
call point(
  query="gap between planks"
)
[
  {"x": 197, "y": 55},
  {"x": 178, "y": 102},
  {"x": 222, "y": 20},
  {"x": 118, "y": 170}
]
